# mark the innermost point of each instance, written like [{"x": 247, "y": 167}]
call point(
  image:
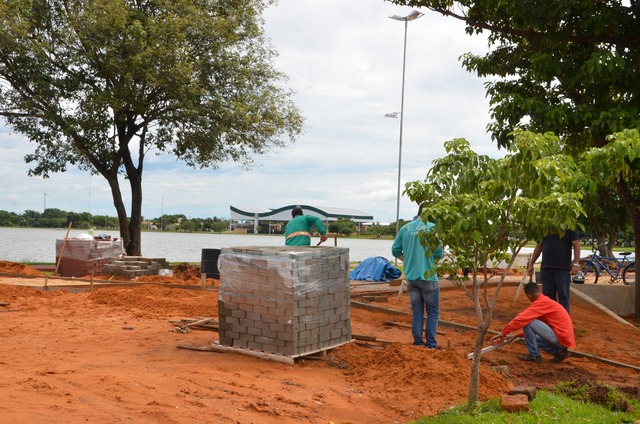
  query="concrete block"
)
[
  {"x": 268, "y": 303},
  {"x": 238, "y": 314},
  {"x": 514, "y": 403},
  {"x": 254, "y": 316},
  {"x": 254, "y": 331},
  {"x": 229, "y": 320},
  {"x": 529, "y": 391},
  {"x": 277, "y": 327},
  {"x": 242, "y": 344},
  {"x": 269, "y": 333},
  {"x": 248, "y": 323},
  {"x": 502, "y": 369},
  {"x": 268, "y": 348},
  {"x": 269, "y": 319}
]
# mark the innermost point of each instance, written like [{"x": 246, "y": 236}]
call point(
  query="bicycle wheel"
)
[
  {"x": 591, "y": 273},
  {"x": 629, "y": 274}
]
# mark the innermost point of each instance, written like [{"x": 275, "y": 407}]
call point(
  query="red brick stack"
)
[
  {"x": 287, "y": 300},
  {"x": 82, "y": 257}
]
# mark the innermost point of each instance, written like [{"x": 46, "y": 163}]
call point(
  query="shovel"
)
[
  {"x": 494, "y": 347},
  {"x": 334, "y": 235}
]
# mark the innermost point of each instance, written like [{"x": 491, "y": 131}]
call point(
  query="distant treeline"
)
[{"x": 56, "y": 218}]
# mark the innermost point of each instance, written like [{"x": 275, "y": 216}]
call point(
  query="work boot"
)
[
  {"x": 560, "y": 355},
  {"x": 527, "y": 357}
]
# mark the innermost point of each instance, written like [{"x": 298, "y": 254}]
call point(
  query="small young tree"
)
[{"x": 487, "y": 209}]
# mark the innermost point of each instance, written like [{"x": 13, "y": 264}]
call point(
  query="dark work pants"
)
[{"x": 556, "y": 285}]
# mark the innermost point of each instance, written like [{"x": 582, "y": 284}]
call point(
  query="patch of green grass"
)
[
  {"x": 548, "y": 407},
  {"x": 595, "y": 392}
]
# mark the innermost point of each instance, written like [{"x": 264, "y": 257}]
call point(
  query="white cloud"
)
[{"x": 344, "y": 62}]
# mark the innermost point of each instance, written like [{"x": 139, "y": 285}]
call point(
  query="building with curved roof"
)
[{"x": 274, "y": 220}]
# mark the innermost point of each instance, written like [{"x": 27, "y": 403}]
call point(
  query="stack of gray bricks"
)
[
  {"x": 288, "y": 300},
  {"x": 135, "y": 266}
]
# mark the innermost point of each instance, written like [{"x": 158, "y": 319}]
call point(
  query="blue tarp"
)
[{"x": 375, "y": 268}]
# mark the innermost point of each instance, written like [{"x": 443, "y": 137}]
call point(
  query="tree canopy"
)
[
  {"x": 99, "y": 84},
  {"x": 569, "y": 67}
]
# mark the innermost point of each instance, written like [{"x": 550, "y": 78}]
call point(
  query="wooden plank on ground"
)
[
  {"x": 377, "y": 308},
  {"x": 387, "y": 292},
  {"x": 395, "y": 311},
  {"x": 211, "y": 325},
  {"x": 376, "y": 298},
  {"x": 197, "y": 322},
  {"x": 399, "y": 324},
  {"x": 370, "y": 346},
  {"x": 603, "y": 360},
  {"x": 198, "y": 348},
  {"x": 257, "y": 354},
  {"x": 363, "y": 337}
]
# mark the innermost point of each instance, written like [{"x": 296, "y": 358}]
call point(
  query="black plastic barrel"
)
[{"x": 209, "y": 263}]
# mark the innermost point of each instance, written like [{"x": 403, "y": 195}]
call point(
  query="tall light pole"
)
[
  {"x": 45, "y": 203},
  {"x": 410, "y": 17}
]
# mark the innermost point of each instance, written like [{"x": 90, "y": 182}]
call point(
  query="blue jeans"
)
[
  {"x": 424, "y": 295},
  {"x": 538, "y": 335},
  {"x": 556, "y": 281}
]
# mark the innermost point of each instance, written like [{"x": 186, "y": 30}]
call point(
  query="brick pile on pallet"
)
[
  {"x": 290, "y": 301},
  {"x": 135, "y": 266},
  {"x": 82, "y": 257}
]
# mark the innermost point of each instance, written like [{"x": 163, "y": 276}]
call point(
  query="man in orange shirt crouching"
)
[{"x": 545, "y": 324}]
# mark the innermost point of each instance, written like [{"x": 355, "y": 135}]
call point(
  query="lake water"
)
[{"x": 39, "y": 245}]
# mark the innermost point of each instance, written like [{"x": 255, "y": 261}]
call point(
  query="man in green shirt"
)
[
  {"x": 298, "y": 230},
  {"x": 424, "y": 294}
]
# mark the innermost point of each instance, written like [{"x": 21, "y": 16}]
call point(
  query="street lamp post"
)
[{"x": 410, "y": 17}]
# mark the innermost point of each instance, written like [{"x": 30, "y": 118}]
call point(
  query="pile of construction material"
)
[
  {"x": 77, "y": 257},
  {"x": 287, "y": 300},
  {"x": 135, "y": 266}
]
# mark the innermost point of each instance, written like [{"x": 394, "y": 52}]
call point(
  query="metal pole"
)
[{"x": 404, "y": 62}]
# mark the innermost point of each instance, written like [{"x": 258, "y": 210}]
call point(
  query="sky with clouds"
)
[{"x": 344, "y": 62}]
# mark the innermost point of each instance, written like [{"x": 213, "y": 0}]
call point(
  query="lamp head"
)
[{"x": 410, "y": 17}]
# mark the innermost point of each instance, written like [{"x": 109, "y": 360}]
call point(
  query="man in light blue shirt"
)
[{"x": 424, "y": 292}]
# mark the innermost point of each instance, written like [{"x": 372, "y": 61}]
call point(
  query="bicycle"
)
[{"x": 595, "y": 265}]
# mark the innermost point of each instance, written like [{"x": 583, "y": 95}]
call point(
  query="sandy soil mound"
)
[
  {"x": 155, "y": 301},
  {"x": 16, "y": 268}
]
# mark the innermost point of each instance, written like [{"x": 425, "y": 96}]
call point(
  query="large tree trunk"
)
[
  {"x": 129, "y": 230},
  {"x": 133, "y": 242},
  {"x": 603, "y": 245},
  {"x": 135, "y": 223}
]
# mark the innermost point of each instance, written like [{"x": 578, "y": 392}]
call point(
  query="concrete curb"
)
[{"x": 581, "y": 298}]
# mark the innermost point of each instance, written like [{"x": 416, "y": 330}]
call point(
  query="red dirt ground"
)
[{"x": 110, "y": 356}]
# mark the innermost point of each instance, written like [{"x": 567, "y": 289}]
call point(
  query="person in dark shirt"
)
[{"x": 556, "y": 268}]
